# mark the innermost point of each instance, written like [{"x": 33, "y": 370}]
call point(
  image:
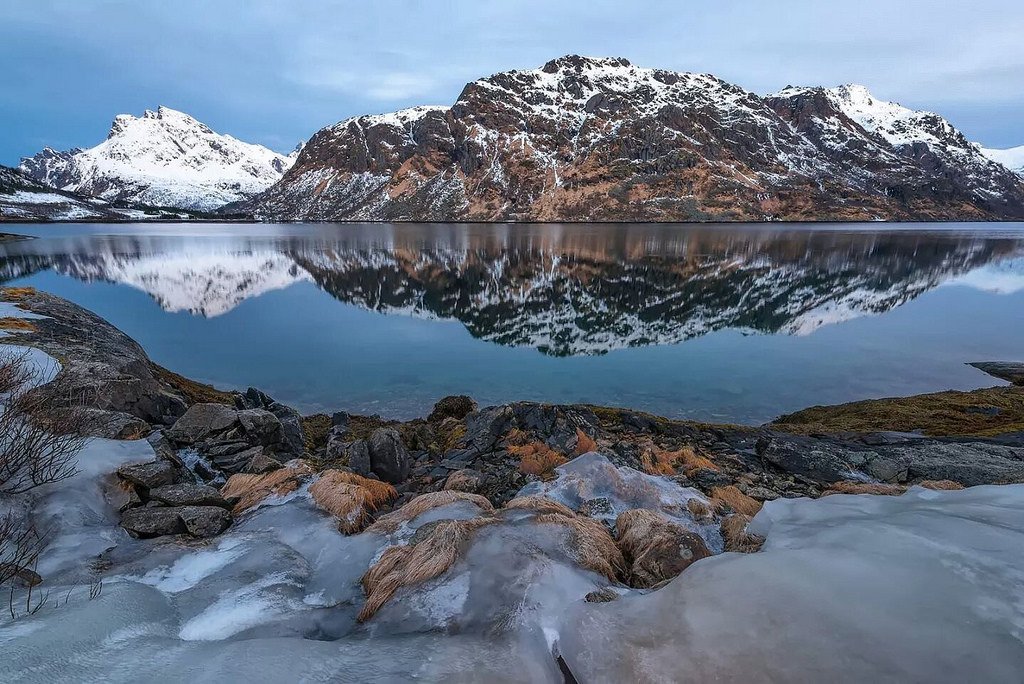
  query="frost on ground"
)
[
  {"x": 927, "y": 586},
  {"x": 924, "y": 587}
]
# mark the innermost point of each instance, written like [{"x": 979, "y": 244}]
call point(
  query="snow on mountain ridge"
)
[
  {"x": 164, "y": 158},
  {"x": 1012, "y": 158}
]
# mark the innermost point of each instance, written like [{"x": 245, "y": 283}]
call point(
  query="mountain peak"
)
[{"x": 581, "y": 63}]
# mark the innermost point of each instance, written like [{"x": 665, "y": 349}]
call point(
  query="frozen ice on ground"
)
[
  {"x": 593, "y": 483},
  {"x": 928, "y": 586}
]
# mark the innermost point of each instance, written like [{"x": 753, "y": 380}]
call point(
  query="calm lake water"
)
[{"x": 724, "y": 323}]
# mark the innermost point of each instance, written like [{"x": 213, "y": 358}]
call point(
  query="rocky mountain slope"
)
[
  {"x": 25, "y": 199},
  {"x": 1012, "y": 158},
  {"x": 163, "y": 158},
  {"x": 601, "y": 139}
]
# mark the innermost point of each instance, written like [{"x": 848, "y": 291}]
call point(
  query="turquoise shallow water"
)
[{"x": 725, "y": 323}]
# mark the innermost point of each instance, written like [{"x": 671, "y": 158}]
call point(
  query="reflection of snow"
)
[{"x": 1004, "y": 277}]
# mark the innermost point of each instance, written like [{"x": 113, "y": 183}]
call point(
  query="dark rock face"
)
[
  {"x": 187, "y": 494},
  {"x": 145, "y": 522},
  {"x": 389, "y": 459},
  {"x": 586, "y": 139},
  {"x": 290, "y": 420},
  {"x": 204, "y": 521},
  {"x": 151, "y": 475},
  {"x": 237, "y": 440}
]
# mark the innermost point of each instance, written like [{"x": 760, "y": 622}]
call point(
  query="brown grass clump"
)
[
  {"x": 733, "y": 498},
  {"x": 852, "y": 487},
  {"x": 590, "y": 544},
  {"x": 941, "y": 485},
  {"x": 405, "y": 566},
  {"x": 657, "y": 549},
  {"x": 421, "y": 504},
  {"x": 539, "y": 504},
  {"x": 252, "y": 489},
  {"x": 13, "y": 323},
  {"x": 939, "y": 414},
  {"x": 584, "y": 443},
  {"x": 351, "y": 498},
  {"x": 537, "y": 458},
  {"x": 656, "y": 461},
  {"x": 16, "y": 294},
  {"x": 737, "y": 539},
  {"x": 698, "y": 509}
]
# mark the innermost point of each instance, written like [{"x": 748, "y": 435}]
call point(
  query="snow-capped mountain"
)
[
  {"x": 25, "y": 199},
  {"x": 601, "y": 139},
  {"x": 1012, "y": 158},
  {"x": 163, "y": 158}
]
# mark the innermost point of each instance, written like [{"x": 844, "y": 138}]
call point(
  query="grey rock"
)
[
  {"x": 357, "y": 455},
  {"x": 486, "y": 427},
  {"x": 147, "y": 522},
  {"x": 202, "y": 422},
  {"x": 261, "y": 426},
  {"x": 114, "y": 424},
  {"x": 150, "y": 475},
  {"x": 261, "y": 463},
  {"x": 389, "y": 458},
  {"x": 187, "y": 494},
  {"x": 293, "y": 437},
  {"x": 204, "y": 521},
  {"x": 236, "y": 461}
]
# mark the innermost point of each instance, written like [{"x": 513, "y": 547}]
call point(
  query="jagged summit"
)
[
  {"x": 590, "y": 138},
  {"x": 164, "y": 158}
]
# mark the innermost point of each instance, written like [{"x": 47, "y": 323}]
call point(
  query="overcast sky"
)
[{"x": 276, "y": 71}]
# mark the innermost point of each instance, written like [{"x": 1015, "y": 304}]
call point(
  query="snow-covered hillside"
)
[
  {"x": 1012, "y": 158},
  {"x": 163, "y": 158}
]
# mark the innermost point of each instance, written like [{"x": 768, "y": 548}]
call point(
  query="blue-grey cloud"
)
[{"x": 274, "y": 71}]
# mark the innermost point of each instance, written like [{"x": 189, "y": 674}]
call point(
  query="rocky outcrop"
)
[
  {"x": 239, "y": 440},
  {"x": 1009, "y": 371},
  {"x": 583, "y": 139}
]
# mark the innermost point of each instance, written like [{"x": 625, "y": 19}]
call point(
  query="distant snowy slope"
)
[
  {"x": 163, "y": 158},
  {"x": 1012, "y": 158}
]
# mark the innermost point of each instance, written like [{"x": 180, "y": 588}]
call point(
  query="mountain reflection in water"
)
[{"x": 566, "y": 290}]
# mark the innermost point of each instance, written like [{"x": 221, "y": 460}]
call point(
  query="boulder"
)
[
  {"x": 457, "y": 407},
  {"x": 146, "y": 522},
  {"x": 187, "y": 494},
  {"x": 261, "y": 463},
  {"x": 357, "y": 455},
  {"x": 204, "y": 521},
  {"x": 261, "y": 427},
  {"x": 150, "y": 475},
  {"x": 293, "y": 437},
  {"x": 202, "y": 422},
  {"x": 389, "y": 459}
]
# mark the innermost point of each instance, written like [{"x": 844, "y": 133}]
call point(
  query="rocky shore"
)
[
  {"x": 482, "y": 531},
  {"x": 204, "y": 436}
]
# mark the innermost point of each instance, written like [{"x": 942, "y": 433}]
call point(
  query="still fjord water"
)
[{"x": 723, "y": 323}]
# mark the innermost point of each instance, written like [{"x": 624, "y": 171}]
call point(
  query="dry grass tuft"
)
[
  {"x": 590, "y": 544},
  {"x": 852, "y": 487},
  {"x": 656, "y": 549},
  {"x": 406, "y": 566},
  {"x": 656, "y": 461},
  {"x": 941, "y": 485},
  {"x": 421, "y": 504},
  {"x": 731, "y": 497},
  {"x": 539, "y": 504},
  {"x": 584, "y": 443},
  {"x": 698, "y": 509},
  {"x": 537, "y": 458},
  {"x": 737, "y": 539},
  {"x": 252, "y": 489},
  {"x": 13, "y": 323},
  {"x": 16, "y": 294},
  {"x": 350, "y": 498}
]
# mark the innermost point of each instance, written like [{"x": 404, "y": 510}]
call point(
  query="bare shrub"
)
[{"x": 40, "y": 435}]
